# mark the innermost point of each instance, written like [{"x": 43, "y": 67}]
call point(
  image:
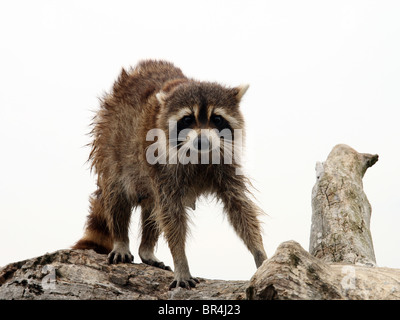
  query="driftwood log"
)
[
  {"x": 341, "y": 263},
  {"x": 86, "y": 275},
  {"x": 294, "y": 274}
]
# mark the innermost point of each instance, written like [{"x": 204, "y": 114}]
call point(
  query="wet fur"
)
[{"x": 144, "y": 98}]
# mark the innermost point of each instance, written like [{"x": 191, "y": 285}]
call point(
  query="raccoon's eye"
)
[
  {"x": 217, "y": 120},
  {"x": 187, "y": 121}
]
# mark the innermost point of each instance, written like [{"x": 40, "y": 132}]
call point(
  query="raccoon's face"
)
[
  {"x": 203, "y": 133},
  {"x": 201, "y": 116}
]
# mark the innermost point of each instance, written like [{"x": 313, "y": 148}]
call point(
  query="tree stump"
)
[{"x": 341, "y": 212}]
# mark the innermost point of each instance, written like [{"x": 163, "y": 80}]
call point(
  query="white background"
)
[{"x": 320, "y": 73}]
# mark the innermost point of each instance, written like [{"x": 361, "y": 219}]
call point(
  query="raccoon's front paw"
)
[
  {"x": 120, "y": 253},
  {"x": 184, "y": 283}
]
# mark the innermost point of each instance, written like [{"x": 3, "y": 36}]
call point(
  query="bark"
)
[
  {"x": 84, "y": 274},
  {"x": 341, "y": 212}
]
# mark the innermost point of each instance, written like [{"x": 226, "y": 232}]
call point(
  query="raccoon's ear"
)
[
  {"x": 241, "y": 90},
  {"x": 161, "y": 97}
]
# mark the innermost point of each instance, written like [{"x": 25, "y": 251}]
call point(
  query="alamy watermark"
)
[
  {"x": 349, "y": 280},
  {"x": 49, "y": 280}
]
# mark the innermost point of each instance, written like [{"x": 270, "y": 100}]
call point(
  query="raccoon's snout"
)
[{"x": 201, "y": 143}]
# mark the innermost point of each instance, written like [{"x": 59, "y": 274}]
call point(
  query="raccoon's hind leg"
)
[
  {"x": 150, "y": 235},
  {"x": 118, "y": 210}
]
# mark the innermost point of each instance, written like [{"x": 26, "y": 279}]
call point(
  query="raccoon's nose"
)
[{"x": 201, "y": 143}]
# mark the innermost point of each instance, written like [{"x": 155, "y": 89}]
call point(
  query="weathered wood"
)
[
  {"x": 340, "y": 265},
  {"x": 293, "y": 273},
  {"x": 85, "y": 274},
  {"x": 341, "y": 212}
]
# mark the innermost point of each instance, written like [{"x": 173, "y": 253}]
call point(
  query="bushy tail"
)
[{"x": 97, "y": 233}]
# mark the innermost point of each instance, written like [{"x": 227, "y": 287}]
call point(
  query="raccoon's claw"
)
[
  {"x": 116, "y": 257},
  {"x": 186, "y": 284},
  {"x": 168, "y": 268},
  {"x": 157, "y": 264}
]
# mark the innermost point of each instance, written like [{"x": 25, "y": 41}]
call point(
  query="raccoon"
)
[{"x": 206, "y": 120}]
